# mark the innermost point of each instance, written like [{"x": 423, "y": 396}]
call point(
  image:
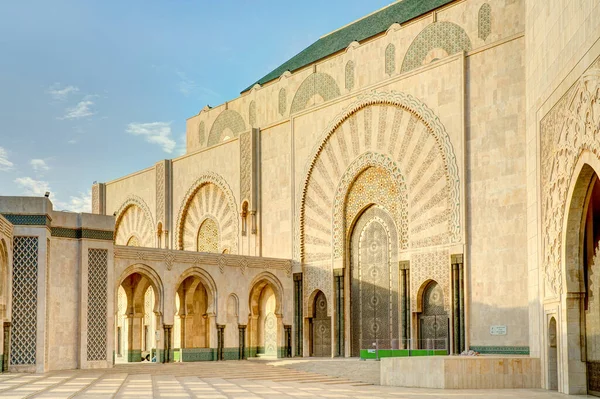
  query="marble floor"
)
[{"x": 232, "y": 379}]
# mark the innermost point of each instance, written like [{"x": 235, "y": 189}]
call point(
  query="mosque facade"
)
[{"x": 425, "y": 177}]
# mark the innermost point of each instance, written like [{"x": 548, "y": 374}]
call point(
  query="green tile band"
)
[
  {"x": 501, "y": 350},
  {"x": 28, "y": 220},
  {"x": 89, "y": 234}
]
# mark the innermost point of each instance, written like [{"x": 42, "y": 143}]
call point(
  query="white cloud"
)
[
  {"x": 5, "y": 164},
  {"x": 39, "y": 165},
  {"x": 155, "y": 133},
  {"x": 32, "y": 187},
  {"x": 61, "y": 93},
  {"x": 186, "y": 85},
  {"x": 81, "y": 110},
  {"x": 72, "y": 141},
  {"x": 80, "y": 203}
]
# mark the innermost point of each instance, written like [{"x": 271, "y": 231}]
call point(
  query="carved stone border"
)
[{"x": 131, "y": 201}]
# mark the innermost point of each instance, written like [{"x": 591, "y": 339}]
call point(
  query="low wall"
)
[{"x": 461, "y": 372}]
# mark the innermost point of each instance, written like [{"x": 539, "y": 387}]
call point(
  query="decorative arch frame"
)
[
  {"x": 442, "y": 34},
  {"x": 256, "y": 286},
  {"x": 207, "y": 281},
  {"x": 311, "y": 303},
  {"x": 421, "y": 291},
  {"x": 154, "y": 280},
  {"x": 134, "y": 200},
  {"x": 228, "y": 119},
  {"x": 416, "y": 108},
  {"x": 316, "y": 83},
  {"x": 568, "y": 143},
  {"x": 237, "y": 303},
  {"x": 206, "y": 178},
  {"x": 359, "y": 165}
]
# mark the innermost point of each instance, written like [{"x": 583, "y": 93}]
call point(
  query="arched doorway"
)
[
  {"x": 137, "y": 318},
  {"x": 433, "y": 319},
  {"x": 320, "y": 330},
  {"x": 591, "y": 283},
  {"x": 192, "y": 324},
  {"x": 552, "y": 356},
  {"x": 373, "y": 281},
  {"x": 265, "y": 318}
]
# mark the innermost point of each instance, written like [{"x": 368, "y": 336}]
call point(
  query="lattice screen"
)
[
  {"x": 24, "y": 302},
  {"x": 97, "y": 306}
]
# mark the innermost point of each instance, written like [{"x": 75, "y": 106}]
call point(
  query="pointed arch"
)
[
  {"x": 207, "y": 281},
  {"x": 211, "y": 196},
  {"x": 258, "y": 284},
  {"x": 134, "y": 218}
]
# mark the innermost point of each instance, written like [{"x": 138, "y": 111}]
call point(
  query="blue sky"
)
[{"x": 94, "y": 90}]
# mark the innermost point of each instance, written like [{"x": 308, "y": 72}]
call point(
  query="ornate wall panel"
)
[
  {"x": 399, "y": 134},
  {"x": 134, "y": 219},
  {"x": 201, "y": 133},
  {"x": 252, "y": 113},
  {"x": 282, "y": 101},
  {"x": 484, "y": 23},
  {"x": 445, "y": 35},
  {"x": 433, "y": 265},
  {"x": 390, "y": 59},
  {"x": 24, "y": 301},
  {"x": 374, "y": 281},
  {"x": 161, "y": 193},
  {"x": 210, "y": 197},
  {"x": 571, "y": 127},
  {"x": 320, "y": 84},
  {"x": 208, "y": 236},
  {"x": 97, "y": 304},
  {"x": 228, "y": 120},
  {"x": 270, "y": 334},
  {"x": 350, "y": 75},
  {"x": 245, "y": 165}
]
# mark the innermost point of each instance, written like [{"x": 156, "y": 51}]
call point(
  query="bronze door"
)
[
  {"x": 374, "y": 294},
  {"x": 321, "y": 325},
  {"x": 433, "y": 321}
]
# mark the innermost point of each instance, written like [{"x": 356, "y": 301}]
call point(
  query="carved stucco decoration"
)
[
  {"x": 134, "y": 218},
  {"x": 96, "y": 199},
  {"x": 571, "y": 127},
  {"x": 245, "y": 165},
  {"x": 172, "y": 257},
  {"x": 218, "y": 202},
  {"x": 160, "y": 192},
  {"x": 400, "y": 134}
]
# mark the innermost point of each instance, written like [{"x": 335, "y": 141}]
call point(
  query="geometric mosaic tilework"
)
[
  {"x": 504, "y": 350},
  {"x": 390, "y": 59},
  {"x": 64, "y": 232},
  {"x": 445, "y": 35},
  {"x": 320, "y": 84},
  {"x": 24, "y": 301},
  {"x": 350, "y": 75},
  {"x": 484, "y": 22},
  {"x": 208, "y": 236},
  {"x": 227, "y": 120},
  {"x": 97, "y": 306},
  {"x": 28, "y": 220}
]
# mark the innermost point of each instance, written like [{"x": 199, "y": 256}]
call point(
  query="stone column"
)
[
  {"x": 404, "y": 304},
  {"x": 458, "y": 302},
  {"x": 168, "y": 358},
  {"x": 220, "y": 340},
  {"x": 298, "y": 313},
  {"x": 338, "y": 275},
  {"x": 135, "y": 324},
  {"x": 6, "y": 346},
  {"x": 242, "y": 341}
]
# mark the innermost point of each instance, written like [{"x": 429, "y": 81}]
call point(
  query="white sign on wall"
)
[{"x": 498, "y": 330}]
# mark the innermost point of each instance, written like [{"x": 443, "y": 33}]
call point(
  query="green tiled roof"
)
[{"x": 360, "y": 30}]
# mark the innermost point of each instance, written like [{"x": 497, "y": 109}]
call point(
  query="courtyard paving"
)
[{"x": 232, "y": 379}]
